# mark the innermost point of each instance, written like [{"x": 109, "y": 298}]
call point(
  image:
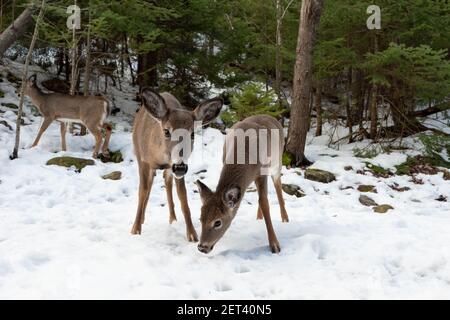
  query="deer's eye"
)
[
  {"x": 217, "y": 224},
  {"x": 167, "y": 133}
]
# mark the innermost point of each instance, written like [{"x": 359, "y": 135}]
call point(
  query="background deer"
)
[
  {"x": 220, "y": 207},
  {"x": 91, "y": 111},
  {"x": 155, "y": 123}
]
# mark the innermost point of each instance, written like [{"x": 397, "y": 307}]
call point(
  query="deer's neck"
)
[
  {"x": 38, "y": 98},
  {"x": 236, "y": 175}
]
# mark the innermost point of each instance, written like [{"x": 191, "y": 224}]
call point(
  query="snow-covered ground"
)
[{"x": 65, "y": 234}]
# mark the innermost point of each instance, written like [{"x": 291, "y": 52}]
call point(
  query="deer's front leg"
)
[
  {"x": 45, "y": 124},
  {"x": 181, "y": 191},
  {"x": 168, "y": 180},
  {"x": 146, "y": 176},
  {"x": 261, "y": 184}
]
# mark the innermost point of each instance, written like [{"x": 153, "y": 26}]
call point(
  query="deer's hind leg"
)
[
  {"x": 45, "y": 124},
  {"x": 108, "y": 132},
  {"x": 168, "y": 181},
  {"x": 97, "y": 133},
  {"x": 63, "y": 127},
  {"x": 279, "y": 190},
  {"x": 261, "y": 184},
  {"x": 146, "y": 175}
]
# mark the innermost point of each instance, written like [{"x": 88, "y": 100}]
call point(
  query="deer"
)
[
  {"x": 156, "y": 138},
  {"x": 90, "y": 111},
  {"x": 220, "y": 207}
]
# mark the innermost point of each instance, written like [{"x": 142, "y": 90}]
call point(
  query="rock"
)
[
  {"x": 114, "y": 156},
  {"x": 382, "y": 208},
  {"x": 115, "y": 175},
  {"x": 366, "y": 201},
  {"x": 441, "y": 198},
  {"x": 348, "y": 168},
  {"x": 293, "y": 190},
  {"x": 396, "y": 187},
  {"x": 12, "y": 78},
  {"x": 71, "y": 162},
  {"x": 2, "y": 94},
  {"x": 367, "y": 188},
  {"x": 3, "y": 122},
  {"x": 10, "y": 106},
  {"x": 319, "y": 175}
]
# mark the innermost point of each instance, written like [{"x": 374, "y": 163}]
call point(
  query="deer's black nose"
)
[
  {"x": 179, "y": 170},
  {"x": 204, "y": 248}
]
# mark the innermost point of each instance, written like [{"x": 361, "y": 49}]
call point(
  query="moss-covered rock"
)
[
  {"x": 2, "y": 94},
  {"x": 287, "y": 159},
  {"x": 4, "y": 123},
  {"x": 378, "y": 171},
  {"x": 319, "y": 175},
  {"x": 382, "y": 208},
  {"x": 367, "y": 188},
  {"x": 114, "y": 156},
  {"x": 10, "y": 106},
  {"x": 115, "y": 175},
  {"x": 69, "y": 162},
  {"x": 293, "y": 190},
  {"x": 12, "y": 78}
]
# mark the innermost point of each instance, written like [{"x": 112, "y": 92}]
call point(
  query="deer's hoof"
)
[
  {"x": 192, "y": 237},
  {"x": 275, "y": 247},
  {"x": 136, "y": 230},
  {"x": 172, "y": 219},
  {"x": 95, "y": 156},
  {"x": 285, "y": 219}
]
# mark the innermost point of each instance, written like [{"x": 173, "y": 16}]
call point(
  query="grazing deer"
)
[
  {"x": 220, "y": 207},
  {"x": 156, "y": 137},
  {"x": 91, "y": 111}
]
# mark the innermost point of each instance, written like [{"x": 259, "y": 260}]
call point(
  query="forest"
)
[{"x": 360, "y": 88}]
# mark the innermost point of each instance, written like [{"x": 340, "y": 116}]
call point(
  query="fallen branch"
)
[{"x": 429, "y": 111}]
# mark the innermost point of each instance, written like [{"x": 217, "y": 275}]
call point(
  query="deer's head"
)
[
  {"x": 30, "y": 85},
  {"x": 176, "y": 137},
  {"x": 218, "y": 211}
]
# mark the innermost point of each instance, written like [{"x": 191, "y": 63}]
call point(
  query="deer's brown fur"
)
[
  {"x": 159, "y": 117},
  {"x": 91, "y": 111},
  {"x": 220, "y": 207}
]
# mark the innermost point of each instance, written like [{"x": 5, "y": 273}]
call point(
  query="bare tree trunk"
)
[
  {"x": 15, "y": 153},
  {"x": 278, "y": 47},
  {"x": 318, "y": 106},
  {"x": 281, "y": 13},
  {"x": 373, "y": 105},
  {"x": 130, "y": 64},
  {"x": 74, "y": 74},
  {"x": 73, "y": 78},
  {"x": 87, "y": 70},
  {"x": 300, "y": 115},
  {"x": 15, "y": 30}
]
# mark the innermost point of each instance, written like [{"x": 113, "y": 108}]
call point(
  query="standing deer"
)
[
  {"x": 156, "y": 131},
  {"x": 220, "y": 207},
  {"x": 91, "y": 111}
]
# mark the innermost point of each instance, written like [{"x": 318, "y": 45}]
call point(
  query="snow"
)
[{"x": 65, "y": 234}]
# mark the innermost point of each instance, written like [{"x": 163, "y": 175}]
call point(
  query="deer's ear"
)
[
  {"x": 205, "y": 192},
  {"x": 209, "y": 110},
  {"x": 33, "y": 78},
  {"x": 154, "y": 103},
  {"x": 232, "y": 197}
]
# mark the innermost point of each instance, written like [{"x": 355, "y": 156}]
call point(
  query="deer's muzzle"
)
[
  {"x": 205, "y": 248},
  {"x": 179, "y": 170}
]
